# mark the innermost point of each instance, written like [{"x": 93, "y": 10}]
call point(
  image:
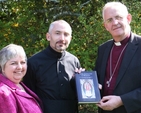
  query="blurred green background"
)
[{"x": 26, "y": 22}]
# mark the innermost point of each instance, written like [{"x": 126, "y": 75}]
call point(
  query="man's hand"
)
[
  {"x": 110, "y": 102},
  {"x": 79, "y": 70},
  {"x": 100, "y": 86}
]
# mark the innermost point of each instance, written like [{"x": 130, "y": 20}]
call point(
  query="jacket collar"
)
[
  {"x": 16, "y": 89},
  {"x": 8, "y": 82}
]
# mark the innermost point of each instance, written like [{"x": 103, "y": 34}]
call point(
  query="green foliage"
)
[
  {"x": 26, "y": 23},
  {"x": 134, "y": 9},
  {"x": 22, "y": 25},
  {"x": 89, "y": 34},
  {"x": 87, "y": 108}
]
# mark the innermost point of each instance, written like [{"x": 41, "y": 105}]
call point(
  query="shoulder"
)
[
  {"x": 37, "y": 58},
  {"x": 136, "y": 35},
  {"x": 37, "y": 55},
  {"x": 72, "y": 59},
  {"x": 7, "y": 99},
  {"x": 135, "y": 38},
  {"x": 106, "y": 44},
  {"x": 70, "y": 55},
  {"x": 5, "y": 91}
]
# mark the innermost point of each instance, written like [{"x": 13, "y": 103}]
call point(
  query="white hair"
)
[
  {"x": 59, "y": 21},
  {"x": 10, "y": 51},
  {"x": 115, "y": 4}
]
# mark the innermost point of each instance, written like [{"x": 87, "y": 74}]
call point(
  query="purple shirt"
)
[
  {"x": 15, "y": 100},
  {"x": 115, "y": 57}
]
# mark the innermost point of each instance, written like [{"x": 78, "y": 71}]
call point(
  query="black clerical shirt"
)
[{"x": 50, "y": 76}]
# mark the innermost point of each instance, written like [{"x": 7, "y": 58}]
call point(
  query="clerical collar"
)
[
  {"x": 117, "y": 43},
  {"x": 123, "y": 42}
]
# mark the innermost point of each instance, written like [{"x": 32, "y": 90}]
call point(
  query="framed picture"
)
[{"x": 87, "y": 87}]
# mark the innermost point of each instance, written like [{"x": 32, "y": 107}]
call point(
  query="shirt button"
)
[{"x": 61, "y": 84}]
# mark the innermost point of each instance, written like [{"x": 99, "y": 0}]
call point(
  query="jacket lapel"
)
[
  {"x": 129, "y": 52},
  {"x": 14, "y": 88},
  {"x": 105, "y": 59}
]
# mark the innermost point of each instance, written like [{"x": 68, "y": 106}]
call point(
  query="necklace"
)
[{"x": 112, "y": 74}]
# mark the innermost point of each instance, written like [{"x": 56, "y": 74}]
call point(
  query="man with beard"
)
[{"x": 50, "y": 72}]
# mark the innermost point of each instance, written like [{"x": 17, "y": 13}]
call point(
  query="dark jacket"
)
[
  {"x": 128, "y": 83},
  {"x": 50, "y": 76}
]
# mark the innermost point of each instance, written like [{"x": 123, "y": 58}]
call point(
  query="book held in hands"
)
[{"x": 87, "y": 87}]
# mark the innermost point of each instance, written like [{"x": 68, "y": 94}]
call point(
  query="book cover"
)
[{"x": 87, "y": 87}]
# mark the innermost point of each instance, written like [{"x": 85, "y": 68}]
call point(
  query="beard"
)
[{"x": 61, "y": 46}]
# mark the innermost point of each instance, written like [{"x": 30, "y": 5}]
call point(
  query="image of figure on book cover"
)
[{"x": 87, "y": 88}]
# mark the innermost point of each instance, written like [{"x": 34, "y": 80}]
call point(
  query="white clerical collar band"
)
[{"x": 117, "y": 43}]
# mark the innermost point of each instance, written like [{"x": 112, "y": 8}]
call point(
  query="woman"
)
[{"x": 15, "y": 97}]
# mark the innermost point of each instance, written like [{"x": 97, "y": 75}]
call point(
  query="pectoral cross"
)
[{"x": 108, "y": 83}]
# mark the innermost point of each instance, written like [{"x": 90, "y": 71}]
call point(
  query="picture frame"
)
[{"x": 87, "y": 87}]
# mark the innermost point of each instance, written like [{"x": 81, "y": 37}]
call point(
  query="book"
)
[{"x": 87, "y": 87}]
